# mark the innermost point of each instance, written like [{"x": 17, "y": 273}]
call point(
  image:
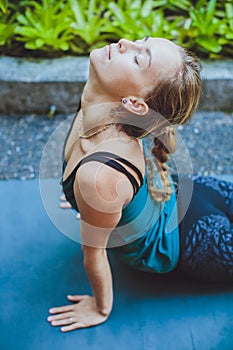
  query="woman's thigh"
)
[
  {"x": 209, "y": 196},
  {"x": 206, "y": 231}
]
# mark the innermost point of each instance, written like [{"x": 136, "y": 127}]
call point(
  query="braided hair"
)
[{"x": 175, "y": 97}]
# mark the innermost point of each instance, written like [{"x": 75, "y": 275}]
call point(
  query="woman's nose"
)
[{"x": 124, "y": 44}]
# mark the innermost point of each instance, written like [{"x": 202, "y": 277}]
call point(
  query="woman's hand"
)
[{"x": 82, "y": 314}]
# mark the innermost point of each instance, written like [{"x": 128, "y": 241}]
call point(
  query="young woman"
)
[{"x": 126, "y": 197}]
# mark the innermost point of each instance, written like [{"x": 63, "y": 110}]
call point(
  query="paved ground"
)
[{"x": 208, "y": 138}]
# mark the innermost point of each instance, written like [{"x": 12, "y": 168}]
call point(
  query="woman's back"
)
[{"x": 142, "y": 217}]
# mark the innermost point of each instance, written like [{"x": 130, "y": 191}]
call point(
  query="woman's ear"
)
[{"x": 135, "y": 105}]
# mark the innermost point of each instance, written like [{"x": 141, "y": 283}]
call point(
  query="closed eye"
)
[
  {"x": 142, "y": 40},
  {"x": 136, "y": 60}
]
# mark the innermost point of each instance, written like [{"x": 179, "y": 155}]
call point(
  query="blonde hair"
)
[{"x": 175, "y": 97}]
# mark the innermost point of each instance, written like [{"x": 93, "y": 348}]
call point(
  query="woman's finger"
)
[
  {"x": 72, "y": 327},
  {"x": 60, "y": 316},
  {"x": 76, "y": 297},
  {"x": 64, "y": 321},
  {"x": 60, "y": 309}
]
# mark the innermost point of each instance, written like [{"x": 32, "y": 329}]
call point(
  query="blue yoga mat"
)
[{"x": 40, "y": 266}]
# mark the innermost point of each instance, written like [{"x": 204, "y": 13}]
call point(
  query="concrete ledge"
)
[
  {"x": 217, "y": 86},
  {"x": 33, "y": 86}
]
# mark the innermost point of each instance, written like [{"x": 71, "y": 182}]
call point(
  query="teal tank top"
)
[{"x": 147, "y": 235}]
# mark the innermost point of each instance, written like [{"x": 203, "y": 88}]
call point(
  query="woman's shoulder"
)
[
  {"x": 130, "y": 150},
  {"x": 102, "y": 186},
  {"x": 127, "y": 154},
  {"x": 111, "y": 181}
]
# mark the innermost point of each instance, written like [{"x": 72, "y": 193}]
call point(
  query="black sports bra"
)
[{"x": 106, "y": 158}]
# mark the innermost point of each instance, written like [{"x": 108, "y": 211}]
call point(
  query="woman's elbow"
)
[{"x": 93, "y": 254}]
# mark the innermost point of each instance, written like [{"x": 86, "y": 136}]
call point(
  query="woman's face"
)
[{"x": 131, "y": 68}]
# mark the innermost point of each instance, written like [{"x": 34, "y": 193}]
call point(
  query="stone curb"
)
[{"x": 34, "y": 85}]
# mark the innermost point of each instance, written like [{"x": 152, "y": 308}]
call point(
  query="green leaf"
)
[
  {"x": 77, "y": 12},
  {"x": 26, "y": 31},
  {"x": 187, "y": 23},
  {"x": 64, "y": 46},
  {"x": 3, "y": 5},
  {"x": 229, "y": 10},
  {"x": 223, "y": 41},
  {"x": 39, "y": 43},
  {"x": 91, "y": 9},
  {"x": 32, "y": 20},
  {"x": 210, "y": 10},
  {"x": 209, "y": 44},
  {"x": 229, "y": 36},
  {"x": 119, "y": 14},
  {"x": 77, "y": 49},
  {"x": 22, "y": 20},
  {"x": 159, "y": 3},
  {"x": 30, "y": 45},
  {"x": 146, "y": 8},
  {"x": 6, "y": 33},
  {"x": 192, "y": 14},
  {"x": 182, "y": 4}
]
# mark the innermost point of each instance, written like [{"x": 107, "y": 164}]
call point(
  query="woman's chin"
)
[
  {"x": 94, "y": 53},
  {"x": 98, "y": 56}
]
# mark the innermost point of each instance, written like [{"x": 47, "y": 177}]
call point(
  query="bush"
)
[{"x": 51, "y": 28}]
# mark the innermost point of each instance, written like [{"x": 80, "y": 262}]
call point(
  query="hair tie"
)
[
  {"x": 169, "y": 129},
  {"x": 166, "y": 131}
]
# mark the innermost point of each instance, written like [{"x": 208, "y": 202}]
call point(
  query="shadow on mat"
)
[{"x": 146, "y": 284}]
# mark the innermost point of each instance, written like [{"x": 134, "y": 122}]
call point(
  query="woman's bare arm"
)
[
  {"x": 99, "y": 274},
  {"x": 100, "y": 201}
]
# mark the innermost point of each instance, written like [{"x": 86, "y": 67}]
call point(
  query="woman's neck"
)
[{"x": 98, "y": 109}]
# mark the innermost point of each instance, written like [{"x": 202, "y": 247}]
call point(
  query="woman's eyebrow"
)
[
  {"x": 148, "y": 51},
  {"x": 143, "y": 39}
]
